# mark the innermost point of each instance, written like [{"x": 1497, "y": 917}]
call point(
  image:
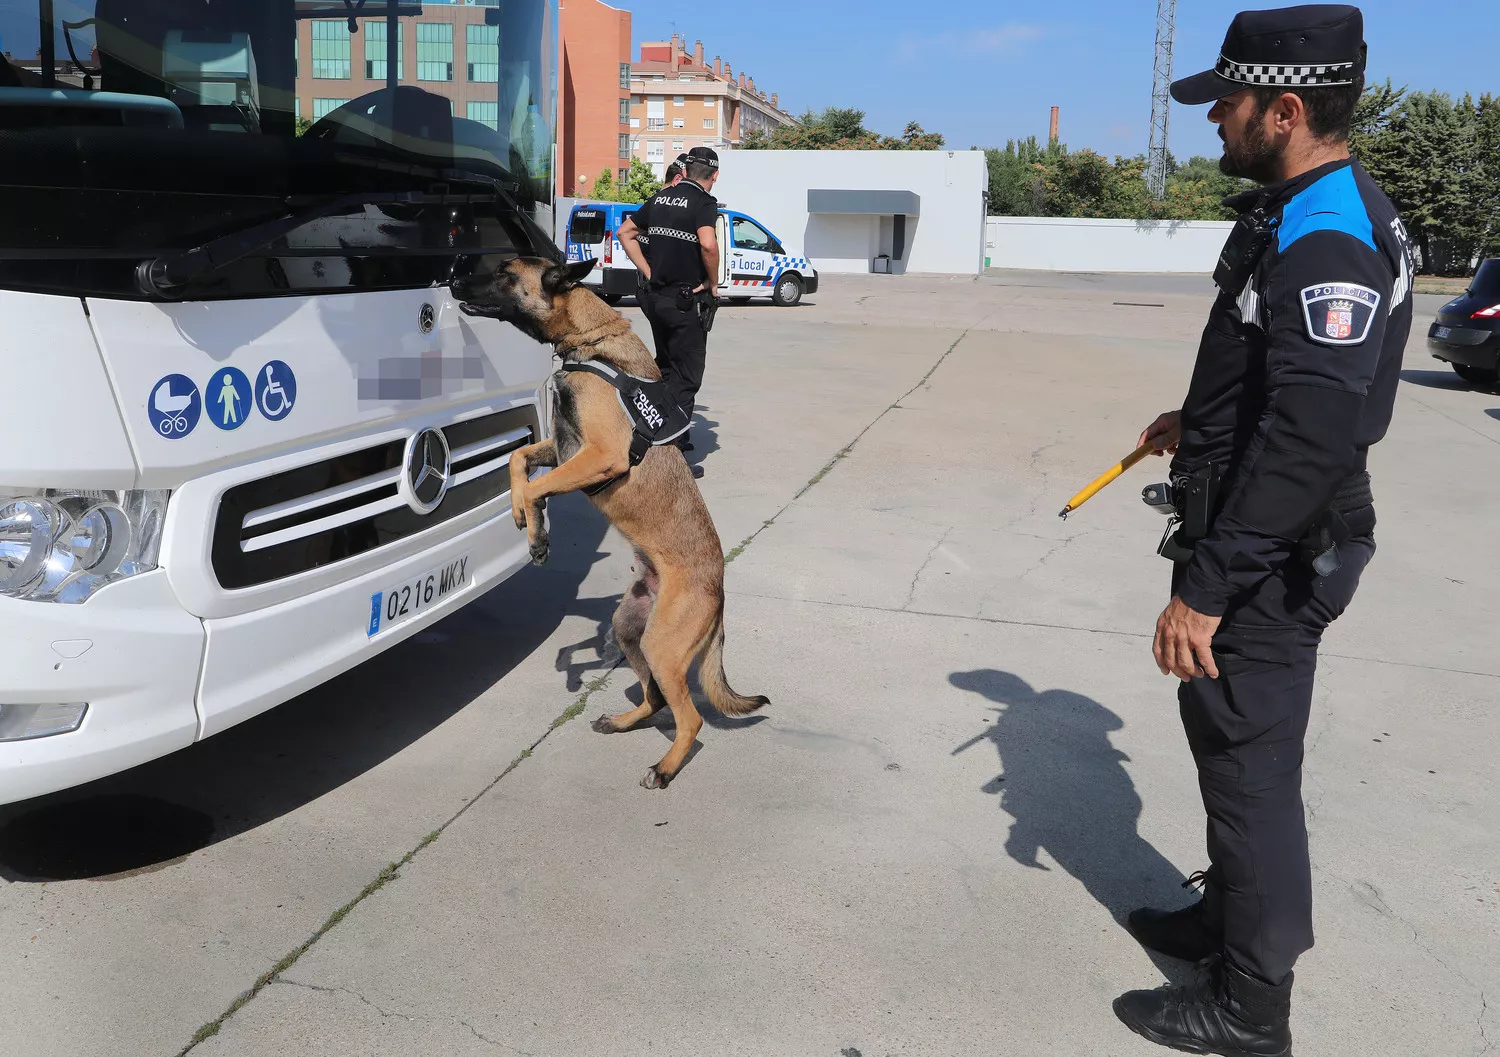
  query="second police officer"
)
[{"x": 679, "y": 266}]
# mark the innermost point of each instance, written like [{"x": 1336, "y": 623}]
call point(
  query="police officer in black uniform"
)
[
  {"x": 1295, "y": 380},
  {"x": 680, "y": 266}
]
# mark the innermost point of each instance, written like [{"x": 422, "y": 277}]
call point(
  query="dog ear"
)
[{"x": 561, "y": 278}]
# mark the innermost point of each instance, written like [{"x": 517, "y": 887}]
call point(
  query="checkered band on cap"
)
[{"x": 1260, "y": 73}]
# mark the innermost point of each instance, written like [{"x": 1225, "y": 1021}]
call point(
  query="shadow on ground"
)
[
  {"x": 1493, "y": 412},
  {"x": 1066, "y": 789},
  {"x": 1439, "y": 380},
  {"x": 278, "y": 761}
]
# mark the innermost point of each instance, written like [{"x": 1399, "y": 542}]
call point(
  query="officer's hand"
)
[
  {"x": 1183, "y": 638},
  {"x": 1165, "y": 432}
]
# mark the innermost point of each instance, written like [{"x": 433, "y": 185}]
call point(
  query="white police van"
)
[
  {"x": 752, "y": 261},
  {"x": 251, "y": 441}
]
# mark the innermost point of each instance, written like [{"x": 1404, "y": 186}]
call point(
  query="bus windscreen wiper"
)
[{"x": 168, "y": 276}]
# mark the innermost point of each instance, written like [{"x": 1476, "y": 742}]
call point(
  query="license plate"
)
[
  {"x": 418, "y": 594},
  {"x": 1442, "y": 332}
]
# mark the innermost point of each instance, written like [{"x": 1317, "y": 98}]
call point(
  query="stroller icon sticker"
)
[
  {"x": 174, "y": 407},
  {"x": 275, "y": 390}
]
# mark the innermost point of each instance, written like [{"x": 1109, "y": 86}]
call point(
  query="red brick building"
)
[{"x": 593, "y": 95}]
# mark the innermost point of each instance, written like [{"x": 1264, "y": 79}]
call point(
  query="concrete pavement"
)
[{"x": 969, "y": 769}]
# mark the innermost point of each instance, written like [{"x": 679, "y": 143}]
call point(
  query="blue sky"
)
[{"x": 983, "y": 72}]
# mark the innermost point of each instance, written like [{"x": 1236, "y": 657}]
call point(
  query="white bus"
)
[{"x": 250, "y": 441}]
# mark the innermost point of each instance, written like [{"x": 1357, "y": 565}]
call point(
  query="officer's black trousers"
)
[
  {"x": 681, "y": 345},
  {"x": 1246, "y": 731}
]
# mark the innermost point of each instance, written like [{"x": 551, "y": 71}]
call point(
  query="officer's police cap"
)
[
  {"x": 1310, "y": 46},
  {"x": 703, "y": 156}
]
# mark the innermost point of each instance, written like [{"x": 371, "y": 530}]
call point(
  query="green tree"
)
[
  {"x": 838, "y": 128},
  {"x": 604, "y": 187},
  {"x": 640, "y": 183},
  {"x": 1016, "y": 188},
  {"x": 303, "y": 124}
]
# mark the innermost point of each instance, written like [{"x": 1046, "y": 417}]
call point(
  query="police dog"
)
[{"x": 673, "y": 613}]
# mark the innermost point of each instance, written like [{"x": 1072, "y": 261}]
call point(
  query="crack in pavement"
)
[
  {"x": 1373, "y": 898},
  {"x": 1146, "y": 635},
  {"x": 843, "y": 452},
  {"x": 346, "y": 991},
  {"x": 390, "y": 873},
  {"x": 911, "y": 589}
]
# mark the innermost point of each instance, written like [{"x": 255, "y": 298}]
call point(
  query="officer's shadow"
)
[{"x": 1064, "y": 785}]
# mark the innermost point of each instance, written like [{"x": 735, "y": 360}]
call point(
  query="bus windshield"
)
[{"x": 137, "y": 128}]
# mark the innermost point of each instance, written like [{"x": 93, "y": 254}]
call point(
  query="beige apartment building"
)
[{"x": 678, "y": 101}]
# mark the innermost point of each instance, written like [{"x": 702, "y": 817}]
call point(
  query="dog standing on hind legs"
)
[{"x": 673, "y": 614}]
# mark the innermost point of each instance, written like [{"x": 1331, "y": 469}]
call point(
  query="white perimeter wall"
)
[
  {"x": 1065, "y": 244},
  {"x": 948, "y": 236}
]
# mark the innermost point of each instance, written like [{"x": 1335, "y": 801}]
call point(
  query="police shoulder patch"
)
[{"x": 1339, "y": 313}]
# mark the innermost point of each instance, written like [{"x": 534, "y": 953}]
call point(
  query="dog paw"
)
[
  {"x": 519, "y": 514},
  {"x": 605, "y": 725},
  {"x": 539, "y": 549},
  {"x": 655, "y": 779}
]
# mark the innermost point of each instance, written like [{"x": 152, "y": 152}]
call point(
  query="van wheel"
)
[
  {"x": 1476, "y": 375},
  {"x": 788, "y": 291}
]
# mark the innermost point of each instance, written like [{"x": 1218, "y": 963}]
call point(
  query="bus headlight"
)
[{"x": 60, "y": 545}]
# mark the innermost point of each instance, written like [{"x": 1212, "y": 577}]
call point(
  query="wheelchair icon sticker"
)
[
  {"x": 174, "y": 406},
  {"x": 275, "y": 390}
]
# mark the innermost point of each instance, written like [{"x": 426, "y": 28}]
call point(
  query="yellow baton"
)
[{"x": 1107, "y": 476}]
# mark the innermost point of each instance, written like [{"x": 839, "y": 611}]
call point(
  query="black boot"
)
[
  {"x": 1192, "y": 933},
  {"x": 1224, "y": 1011}
]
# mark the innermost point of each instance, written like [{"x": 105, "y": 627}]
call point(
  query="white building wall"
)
[
  {"x": 1067, "y": 244},
  {"x": 772, "y": 186}
]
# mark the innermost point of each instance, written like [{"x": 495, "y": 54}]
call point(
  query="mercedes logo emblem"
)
[
  {"x": 426, "y": 469},
  {"x": 426, "y": 319}
]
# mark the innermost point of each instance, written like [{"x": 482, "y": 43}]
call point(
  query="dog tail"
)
[{"x": 711, "y": 673}]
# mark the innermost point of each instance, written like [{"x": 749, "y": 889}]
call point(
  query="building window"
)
[
  {"x": 624, "y": 111},
  {"x": 677, "y": 144},
  {"x": 375, "y": 51},
  {"x": 635, "y": 122},
  {"x": 678, "y": 122},
  {"x": 321, "y": 107},
  {"x": 656, "y": 150},
  {"x": 297, "y": 108},
  {"x": 624, "y": 75},
  {"x": 684, "y": 77},
  {"x": 708, "y": 123},
  {"x": 635, "y": 144},
  {"x": 625, "y": 142},
  {"x": 485, "y": 114},
  {"x": 482, "y": 53},
  {"x": 434, "y": 51},
  {"x": 330, "y": 49},
  {"x": 708, "y": 100},
  {"x": 659, "y": 77},
  {"x": 624, "y": 175},
  {"x": 678, "y": 100}
]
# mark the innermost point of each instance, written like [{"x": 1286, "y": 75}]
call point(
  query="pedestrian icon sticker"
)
[
  {"x": 228, "y": 398},
  {"x": 275, "y": 390},
  {"x": 174, "y": 406}
]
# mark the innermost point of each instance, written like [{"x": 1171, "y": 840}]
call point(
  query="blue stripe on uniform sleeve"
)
[{"x": 1331, "y": 204}]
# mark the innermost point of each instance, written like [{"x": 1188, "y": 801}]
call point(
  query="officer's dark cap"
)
[
  {"x": 703, "y": 156},
  {"x": 1311, "y": 46}
]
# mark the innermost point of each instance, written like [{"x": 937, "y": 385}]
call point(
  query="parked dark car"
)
[{"x": 1466, "y": 333}]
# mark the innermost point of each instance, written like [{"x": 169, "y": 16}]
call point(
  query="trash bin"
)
[{"x": 883, "y": 264}]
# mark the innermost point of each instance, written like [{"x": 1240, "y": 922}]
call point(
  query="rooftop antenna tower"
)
[{"x": 1161, "y": 98}]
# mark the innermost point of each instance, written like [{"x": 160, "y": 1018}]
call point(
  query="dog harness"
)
[{"x": 654, "y": 417}]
